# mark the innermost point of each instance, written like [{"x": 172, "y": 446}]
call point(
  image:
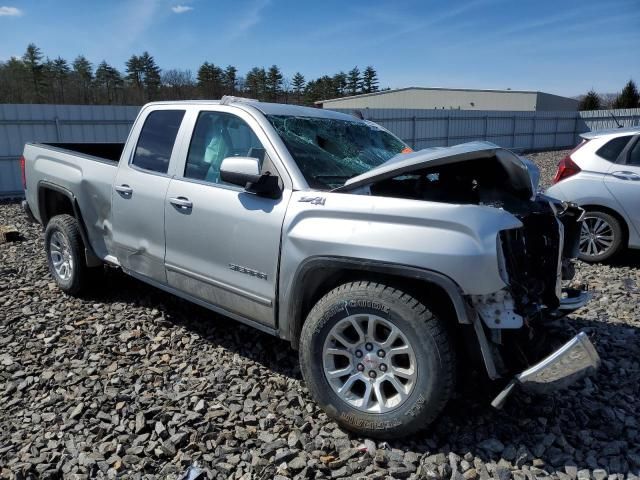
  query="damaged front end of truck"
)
[{"x": 514, "y": 326}]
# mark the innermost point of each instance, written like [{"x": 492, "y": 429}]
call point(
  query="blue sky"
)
[{"x": 562, "y": 47}]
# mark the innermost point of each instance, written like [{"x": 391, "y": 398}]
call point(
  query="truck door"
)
[
  {"x": 139, "y": 190},
  {"x": 223, "y": 244}
]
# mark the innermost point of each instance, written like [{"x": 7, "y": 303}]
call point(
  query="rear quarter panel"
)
[{"x": 90, "y": 181}]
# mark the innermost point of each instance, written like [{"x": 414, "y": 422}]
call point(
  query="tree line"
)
[
  {"x": 33, "y": 78},
  {"x": 627, "y": 98}
]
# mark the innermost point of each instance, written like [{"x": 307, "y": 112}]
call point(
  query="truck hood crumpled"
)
[{"x": 523, "y": 175}]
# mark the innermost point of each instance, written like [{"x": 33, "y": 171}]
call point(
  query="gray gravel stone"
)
[{"x": 131, "y": 382}]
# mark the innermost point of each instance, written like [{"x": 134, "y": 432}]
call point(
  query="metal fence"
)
[
  {"x": 20, "y": 124},
  {"x": 527, "y": 131}
]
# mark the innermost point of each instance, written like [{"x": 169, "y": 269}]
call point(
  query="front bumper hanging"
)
[{"x": 574, "y": 360}]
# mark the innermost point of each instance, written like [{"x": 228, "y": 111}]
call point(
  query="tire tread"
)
[
  {"x": 70, "y": 228},
  {"x": 431, "y": 323}
]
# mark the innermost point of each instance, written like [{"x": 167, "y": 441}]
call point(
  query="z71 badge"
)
[{"x": 313, "y": 200}]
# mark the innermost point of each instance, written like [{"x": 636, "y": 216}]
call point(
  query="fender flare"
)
[
  {"x": 292, "y": 323},
  {"x": 90, "y": 256}
]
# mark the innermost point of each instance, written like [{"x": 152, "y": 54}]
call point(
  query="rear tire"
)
[
  {"x": 65, "y": 255},
  {"x": 391, "y": 347},
  {"x": 601, "y": 237}
]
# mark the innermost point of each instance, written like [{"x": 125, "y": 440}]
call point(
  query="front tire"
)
[
  {"x": 377, "y": 360},
  {"x": 65, "y": 254}
]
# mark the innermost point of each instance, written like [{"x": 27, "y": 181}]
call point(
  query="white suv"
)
[{"x": 602, "y": 175}]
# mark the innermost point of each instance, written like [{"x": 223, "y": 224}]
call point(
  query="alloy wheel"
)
[
  {"x": 61, "y": 257},
  {"x": 369, "y": 363},
  {"x": 596, "y": 236}
]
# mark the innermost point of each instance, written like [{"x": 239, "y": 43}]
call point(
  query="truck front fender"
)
[{"x": 291, "y": 318}]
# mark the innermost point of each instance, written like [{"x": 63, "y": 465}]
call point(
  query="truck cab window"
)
[
  {"x": 156, "y": 141},
  {"x": 218, "y": 135}
]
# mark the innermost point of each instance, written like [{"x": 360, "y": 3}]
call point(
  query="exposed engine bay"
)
[
  {"x": 469, "y": 182},
  {"x": 535, "y": 258}
]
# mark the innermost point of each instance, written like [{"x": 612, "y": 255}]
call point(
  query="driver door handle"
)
[
  {"x": 124, "y": 189},
  {"x": 181, "y": 202},
  {"x": 625, "y": 175}
]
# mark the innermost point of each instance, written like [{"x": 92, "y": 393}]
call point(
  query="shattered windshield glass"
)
[{"x": 329, "y": 151}]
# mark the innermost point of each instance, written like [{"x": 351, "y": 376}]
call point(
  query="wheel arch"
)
[
  {"x": 316, "y": 276},
  {"x": 56, "y": 200}
]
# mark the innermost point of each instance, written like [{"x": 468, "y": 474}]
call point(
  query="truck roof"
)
[{"x": 267, "y": 108}]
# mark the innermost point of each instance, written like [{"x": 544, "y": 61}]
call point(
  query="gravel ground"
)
[
  {"x": 547, "y": 162},
  {"x": 135, "y": 383}
]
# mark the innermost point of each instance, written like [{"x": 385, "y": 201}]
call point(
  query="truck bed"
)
[
  {"x": 103, "y": 151},
  {"x": 86, "y": 169}
]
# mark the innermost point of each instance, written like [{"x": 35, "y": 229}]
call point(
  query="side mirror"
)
[{"x": 245, "y": 172}]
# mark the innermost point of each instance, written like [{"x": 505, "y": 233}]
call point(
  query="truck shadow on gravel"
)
[
  {"x": 594, "y": 424},
  {"x": 271, "y": 352},
  {"x": 628, "y": 258}
]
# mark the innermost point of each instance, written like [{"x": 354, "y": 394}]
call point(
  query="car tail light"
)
[
  {"x": 23, "y": 173},
  {"x": 567, "y": 167}
]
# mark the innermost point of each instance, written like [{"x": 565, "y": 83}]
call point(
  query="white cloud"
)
[
  {"x": 250, "y": 18},
  {"x": 10, "y": 12},
  {"x": 181, "y": 8}
]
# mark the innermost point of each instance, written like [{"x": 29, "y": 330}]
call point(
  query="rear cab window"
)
[
  {"x": 156, "y": 140},
  {"x": 611, "y": 150}
]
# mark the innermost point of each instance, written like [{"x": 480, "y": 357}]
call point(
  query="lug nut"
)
[
  {"x": 373, "y": 374},
  {"x": 383, "y": 367},
  {"x": 360, "y": 367},
  {"x": 381, "y": 353},
  {"x": 369, "y": 347},
  {"x": 358, "y": 354}
]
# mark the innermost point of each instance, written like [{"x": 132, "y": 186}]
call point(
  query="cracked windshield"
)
[{"x": 329, "y": 152}]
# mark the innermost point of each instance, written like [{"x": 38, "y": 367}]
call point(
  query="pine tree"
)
[
  {"x": 109, "y": 81},
  {"x": 210, "y": 80},
  {"x": 83, "y": 76},
  {"x": 340, "y": 80},
  {"x": 135, "y": 76},
  {"x": 151, "y": 79},
  {"x": 629, "y": 97},
  {"x": 591, "y": 101},
  {"x": 32, "y": 60},
  {"x": 354, "y": 81},
  {"x": 369, "y": 80},
  {"x": 230, "y": 80},
  {"x": 255, "y": 83},
  {"x": 320, "y": 89},
  {"x": 59, "y": 70},
  {"x": 298, "y": 83},
  {"x": 15, "y": 82},
  {"x": 273, "y": 83}
]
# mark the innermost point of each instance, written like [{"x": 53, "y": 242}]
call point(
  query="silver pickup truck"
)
[{"x": 390, "y": 271}]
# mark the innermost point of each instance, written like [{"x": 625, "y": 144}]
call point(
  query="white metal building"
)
[{"x": 455, "y": 99}]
